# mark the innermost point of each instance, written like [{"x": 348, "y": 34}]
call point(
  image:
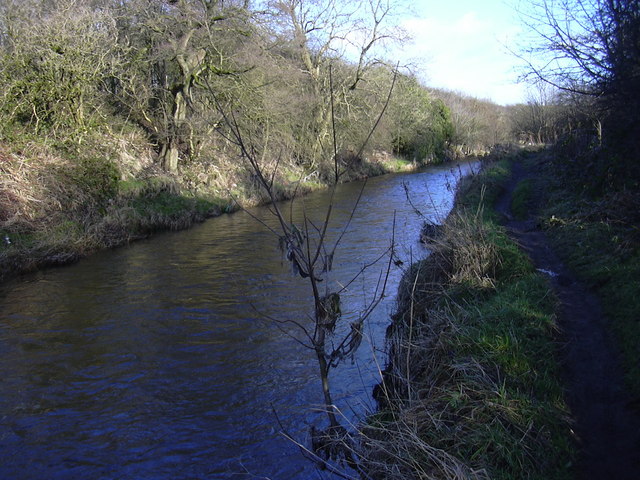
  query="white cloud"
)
[
  {"x": 466, "y": 53},
  {"x": 469, "y": 24}
]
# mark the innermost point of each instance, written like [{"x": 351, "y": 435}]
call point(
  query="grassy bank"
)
[
  {"x": 472, "y": 387},
  {"x": 55, "y": 211},
  {"x": 596, "y": 230},
  {"x": 58, "y": 205}
]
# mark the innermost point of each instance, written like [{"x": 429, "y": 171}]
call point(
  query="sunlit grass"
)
[{"x": 473, "y": 386}]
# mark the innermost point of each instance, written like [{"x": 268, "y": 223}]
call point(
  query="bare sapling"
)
[{"x": 310, "y": 249}]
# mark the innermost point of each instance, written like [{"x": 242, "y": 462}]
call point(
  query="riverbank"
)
[
  {"x": 473, "y": 386},
  {"x": 506, "y": 364},
  {"x": 57, "y": 209}
]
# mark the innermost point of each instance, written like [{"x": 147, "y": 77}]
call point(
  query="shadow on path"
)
[{"x": 606, "y": 428}]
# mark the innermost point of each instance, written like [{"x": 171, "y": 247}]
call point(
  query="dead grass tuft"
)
[{"x": 467, "y": 244}]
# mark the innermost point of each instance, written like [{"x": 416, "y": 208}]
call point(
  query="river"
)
[{"x": 157, "y": 361}]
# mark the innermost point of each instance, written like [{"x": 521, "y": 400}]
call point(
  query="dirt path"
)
[{"x": 607, "y": 429}]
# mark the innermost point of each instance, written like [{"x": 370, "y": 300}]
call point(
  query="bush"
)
[{"x": 97, "y": 178}]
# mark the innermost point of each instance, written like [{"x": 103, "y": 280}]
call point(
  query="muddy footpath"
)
[{"x": 606, "y": 421}]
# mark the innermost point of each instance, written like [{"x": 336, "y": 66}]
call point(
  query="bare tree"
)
[
  {"x": 590, "y": 47},
  {"x": 536, "y": 121},
  {"x": 317, "y": 32},
  {"x": 308, "y": 248},
  {"x": 574, "y": 50},
  {"x": 478, "y": 124}
]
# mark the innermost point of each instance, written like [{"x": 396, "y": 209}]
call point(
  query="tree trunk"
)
[
  {"x": 169, "y": 157},
  {"x": 324, "y": 376},
  {"x": 170, "y": 152},
  {"x": 191, "y": 64}
]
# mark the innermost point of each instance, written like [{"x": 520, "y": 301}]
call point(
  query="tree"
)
[
  {"x": 311, "y": 253},
  {"x": 419, "y": 123},
  {"x": 175, "y": 46},
  {"x": 591, "y": 47},
  {"x": 319, "y": 33},
  {"x": 537, "y": 120},
  {"x": 478, "y": 125},
  {"x": 53, "y": 75}
]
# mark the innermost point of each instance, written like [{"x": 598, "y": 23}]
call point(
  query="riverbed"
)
[{"x": 159, "y": 360}]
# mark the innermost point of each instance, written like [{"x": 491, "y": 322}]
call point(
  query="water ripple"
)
[{"x": 155, "y": 360}]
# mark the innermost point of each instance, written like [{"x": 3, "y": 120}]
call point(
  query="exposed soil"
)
[{"x": 605, "y": 424}]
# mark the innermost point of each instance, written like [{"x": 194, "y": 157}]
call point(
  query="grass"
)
[
  {"x": 472, "y": 390},
  {"x": 521, "y": 200},
  {"x": 486, "y": 188},
  {"x": 396, "y": 164},
  {"x": 54, "y": 210},
  {"x": 599, "y": 239}
]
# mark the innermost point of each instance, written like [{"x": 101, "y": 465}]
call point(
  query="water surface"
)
[{"x": 156, "y": 360}]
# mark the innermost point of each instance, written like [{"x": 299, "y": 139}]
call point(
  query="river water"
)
[{"x": 157, "y": 361}]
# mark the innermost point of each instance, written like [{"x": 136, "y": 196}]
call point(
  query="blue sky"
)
[{"x": 461, "y": 45}]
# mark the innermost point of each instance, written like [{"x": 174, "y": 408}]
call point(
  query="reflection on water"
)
[{"x": 156, "y": 361}]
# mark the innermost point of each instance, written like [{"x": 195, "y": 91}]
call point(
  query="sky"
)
[{"x": 462, "y": 45}]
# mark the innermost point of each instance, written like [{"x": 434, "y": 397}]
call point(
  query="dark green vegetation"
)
[
  {"x": 592, "y": 177},
  {"x": 472, "y": 389},
  {"x": 520, "y": 204},
  {"x": 596, "y": 230}
]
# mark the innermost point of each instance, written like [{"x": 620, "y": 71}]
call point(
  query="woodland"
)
[
  {"x": 115, "y": 115},
  {"x": 121, "y": 118},
  {"x": 118, "y": 118}
]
